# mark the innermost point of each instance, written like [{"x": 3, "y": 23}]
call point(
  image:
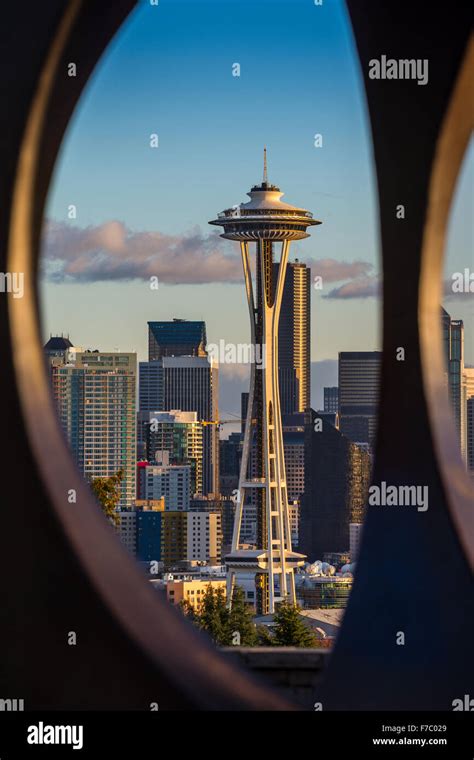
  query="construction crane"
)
[{"x": 204, "y": 423}]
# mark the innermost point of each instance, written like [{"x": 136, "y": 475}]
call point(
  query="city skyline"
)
[
  {"x": 145, "y": 211},
  {"x": 180, "y": 85}
]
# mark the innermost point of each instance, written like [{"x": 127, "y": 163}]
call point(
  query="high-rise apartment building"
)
[
  {"x": 225, "y": 506},
  {"x": 171, "y": 482},
  {"x": 331, "y": 399},
  {"x": 176, "y": 338},
  {"x": 178, "y": 433},
  {"x": 359, "y": 377},
  {"x": 95, "y": 399},
  {"x": 188, "y": 384},
  {"x": 191, "y": 537},
  {"x": 294, "y": 338},
  {"x": 204, "y": 542},
  {"x": 191, "y": 384}
]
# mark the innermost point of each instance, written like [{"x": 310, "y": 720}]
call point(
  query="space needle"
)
[{"x": 271, "y": 224}]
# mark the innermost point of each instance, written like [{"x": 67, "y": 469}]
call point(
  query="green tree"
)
[
  {"x": 107, "y": 493},
  {"x": 214, "y": 616},
  {"x": 264, "y": 637},
  {"x": 290, "y": 630},
  {"x": 188, "y": 610},
  {"x": 241, "y": 620}
]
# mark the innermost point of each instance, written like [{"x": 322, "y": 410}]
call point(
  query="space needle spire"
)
[{"x": 271, "y": 224}]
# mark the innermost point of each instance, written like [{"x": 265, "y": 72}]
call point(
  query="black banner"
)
[{"x": 377, "y": 734}]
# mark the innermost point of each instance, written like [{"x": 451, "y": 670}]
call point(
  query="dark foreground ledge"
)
[{"x": 295, "y": 672}]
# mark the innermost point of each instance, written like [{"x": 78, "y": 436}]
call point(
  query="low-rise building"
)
[
  {"x": 192, "y": 591},
  {"x": 140, "y": 528},
  {"x": 323, "y": 591}
]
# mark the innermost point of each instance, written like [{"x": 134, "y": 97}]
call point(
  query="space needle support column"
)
[
  {"x": 264, "y": 581},
  {"x": 280, "y": 475},
  {"x": 276, "y": 503},
  {"x": 244, "y": 249}
]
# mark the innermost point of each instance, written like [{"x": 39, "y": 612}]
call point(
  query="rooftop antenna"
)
[{"x": 265, "y": 176}]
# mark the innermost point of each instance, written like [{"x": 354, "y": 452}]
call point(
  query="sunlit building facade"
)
[
  {"x": 294, "y": 339},
  {"x": 178, "y": 433},
  {"x": 193, "y": 591},
  {"x": 95, "y": 399},
  {"x": 187, "y": 384},
  {"x": 191, "y": 537}
]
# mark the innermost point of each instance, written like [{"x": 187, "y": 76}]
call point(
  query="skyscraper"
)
[
  {"x": 293, "y": 444},
  {"x": 453, "y": 343},
  {"x": 331, "y": 399},
  {"x": 95, "y": 398},
  {"x": 230, "y": 451},
  {"x": 244, "y": 404},
  {"x": 180, "y": 434},
  {"x": 470, "y": 436},
  {"x": 150, "y": 386},
  {"x": 359, "y": 376},
  {"x": 188, "y": 384},
  {"x": 337, "y": 479},
  {"x": 266, "y": 221},
  {"x": 294, "y": 362},
  {"x": 176, "y": 338},
  {"x": 57, "y": 347}
]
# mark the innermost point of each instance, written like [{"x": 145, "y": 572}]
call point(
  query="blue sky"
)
[{"x": 169, "y": 71}]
